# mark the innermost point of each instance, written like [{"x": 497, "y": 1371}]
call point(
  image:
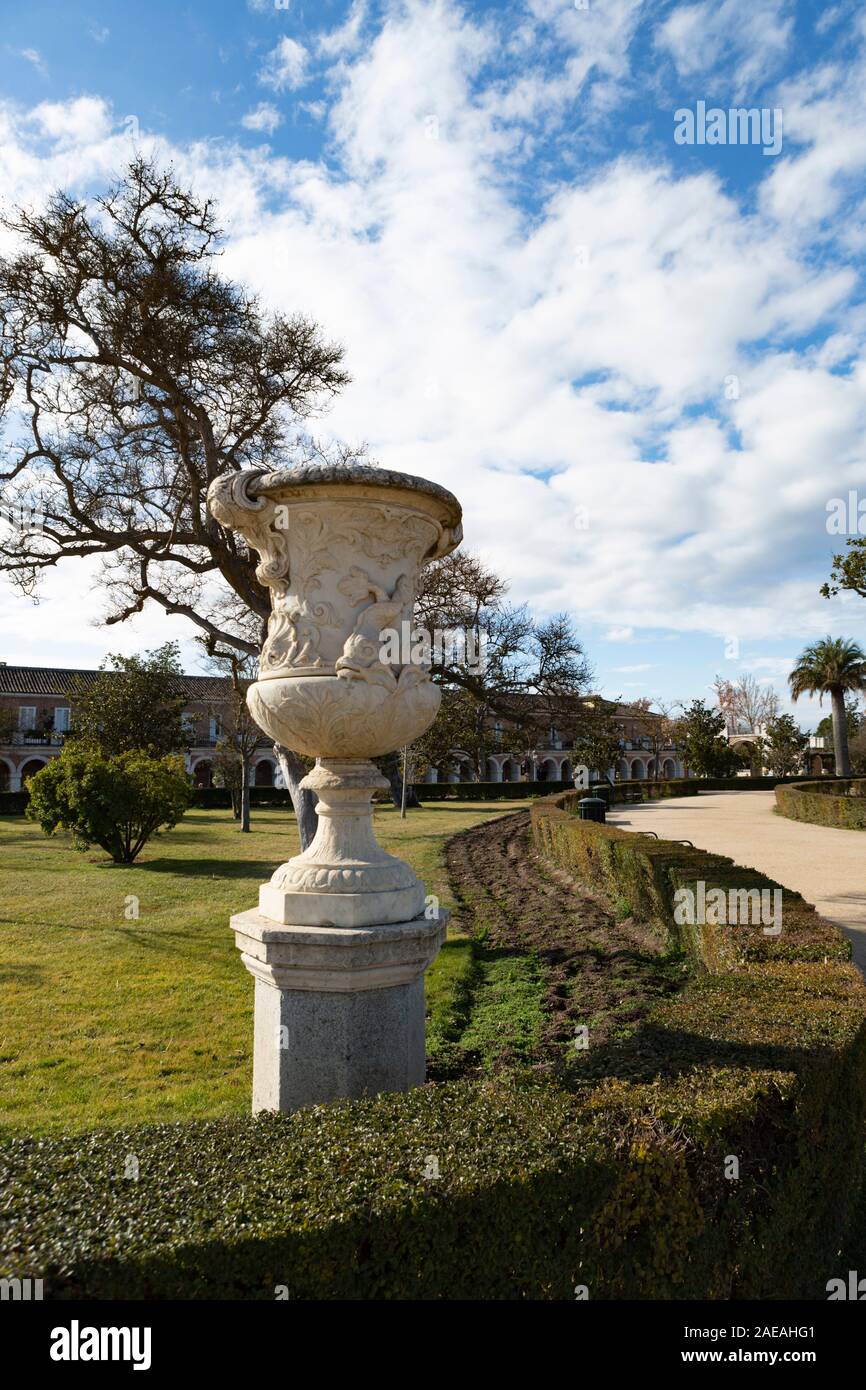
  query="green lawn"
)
[{"x": 112, "y": 1020}]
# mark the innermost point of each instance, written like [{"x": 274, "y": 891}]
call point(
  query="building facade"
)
[
  {"x": 36, "y": 714},
  {"x": 552, "y": 758}
]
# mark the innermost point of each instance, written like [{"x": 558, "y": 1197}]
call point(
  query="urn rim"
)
[{"x": 270, "y": 482}]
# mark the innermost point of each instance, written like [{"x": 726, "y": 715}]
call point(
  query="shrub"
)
[
  {"x": 839, "y": 802},
  {"x": 616, "y": 1180},
  {"x": 483, "y": 791},
  {"x": 115, "y": 802},
  {"x": 647, "y": 873}
]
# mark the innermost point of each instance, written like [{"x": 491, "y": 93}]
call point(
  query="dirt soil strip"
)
[{"x": 598, "y": 972}]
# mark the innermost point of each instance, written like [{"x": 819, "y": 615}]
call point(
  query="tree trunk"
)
[
  {"x": 304, "y": 801},
  {"x": 235, "y": 796},
  {"x": 840, "y": 733},
  {"x": 245, "y": 796},
  {"x": 391, "y": 767}
]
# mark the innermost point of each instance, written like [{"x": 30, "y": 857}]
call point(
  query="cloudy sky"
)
[{"x": 638, "y": 362}]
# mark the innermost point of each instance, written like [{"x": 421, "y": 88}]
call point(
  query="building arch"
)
[
  {"x": 8, "y": 773},
  {"x": 638, "y": 770},
  {"x": 202, "y": 773},
  {"x": 263, "y": 772},
  {"x": 31, "y": 767},
  {"x": 669, "y": 768}
]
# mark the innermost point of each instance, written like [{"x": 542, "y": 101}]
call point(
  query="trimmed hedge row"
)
[
  {"x": 647, "y": 873},
  {"x": 841, "y": 804},
  {"x": 486, "y": 791},
  {"x": 790, "y": 1002},
  {"x": 618, "y": 1182},
  {"x": 621, "y": 1189}
]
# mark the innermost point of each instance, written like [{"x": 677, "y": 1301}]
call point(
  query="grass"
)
[{"x": 112, "y": 1018}]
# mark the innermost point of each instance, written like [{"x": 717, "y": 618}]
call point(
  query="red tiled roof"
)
[{"x": 56, "y": 680}]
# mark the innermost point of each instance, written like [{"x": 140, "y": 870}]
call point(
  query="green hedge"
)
[
  {"x": 791, "y": 1001},
  {"x": 839, "y": 802},
  {"x": 612, "y": 1176},
  {"x": 621, "y": 1189},
  {"x": 643, "y": 789},
  {"x": 485, "y": 791}
]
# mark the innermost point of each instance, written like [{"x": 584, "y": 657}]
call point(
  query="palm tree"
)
[{"x": 831, "y": 667}]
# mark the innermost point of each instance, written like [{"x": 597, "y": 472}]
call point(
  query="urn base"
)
[{"x": 312, "y": 909}]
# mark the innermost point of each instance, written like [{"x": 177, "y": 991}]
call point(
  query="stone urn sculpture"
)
[{"x": 341, "y": 938}]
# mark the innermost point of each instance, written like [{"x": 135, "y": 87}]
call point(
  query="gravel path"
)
[{"x": 827, "y": 866}]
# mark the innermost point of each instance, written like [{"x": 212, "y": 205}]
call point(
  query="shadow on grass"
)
[
  {"x": 205, "y": 869},
  {"x": 655, "y": 1053},
  {"x": 25, "y": 974}
]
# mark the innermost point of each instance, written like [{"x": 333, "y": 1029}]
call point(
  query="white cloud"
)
[
  {"x": 33, "y": 56},
  {"x": 487, "y": 354},
  {"x": 84, "y": 120},
  {"x": 285, "y": 66},
  {"x": 752, "y": 39},
  {"x": 346, "y": 39},
  {"x": 263, "y": 117}
]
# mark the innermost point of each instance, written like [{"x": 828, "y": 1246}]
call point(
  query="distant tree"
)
[
  {"x": 857, "y": 751},
  {"x": 747, "y": 703},
  {"x": 240, "y": 734},
  {"x": 118, "y": 802},
  {"x": 659, "y": 728},
  {"x": 135, "y": 702},
  {"x": 854, "y": 719},
  {"x": 597, "y": 736},
  {"x": 783, "y": 746},
  {"x": 833, "y": 667},
  {"x": 496, "y": 664},
  {"x": 132, "y": 373},
  {"x": 705, "y": 750}
]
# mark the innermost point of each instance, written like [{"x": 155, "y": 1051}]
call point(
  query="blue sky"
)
[{"x": 639, "y": 363}]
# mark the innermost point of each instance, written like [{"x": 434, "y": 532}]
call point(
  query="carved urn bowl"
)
[{"x": 341, "y": 550}]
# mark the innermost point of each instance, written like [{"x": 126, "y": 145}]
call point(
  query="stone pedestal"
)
[
  {"x": 343, "y": 932},
  {"x": 339, "y": 1011}
]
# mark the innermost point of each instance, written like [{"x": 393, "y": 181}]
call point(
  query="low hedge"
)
[
  {"x": 839, "y": 802},
  {"x": 792, "y": 1002},
  {"x": 613, "y": 1175},
  {"x": 486, "y": 791},
  {"x": 645, "y": 874},
  {"x": 621, "y": 1190}
]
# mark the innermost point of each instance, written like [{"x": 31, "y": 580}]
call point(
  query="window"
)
[
  {"x": 215, "y": 730},
  {"x": 61, "y": 719},
  {"x": 26, "y": 718}
]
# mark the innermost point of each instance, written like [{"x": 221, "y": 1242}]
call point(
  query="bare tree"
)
[
  {"x": 659, "y": 728},
  {"x": 132, "y": 374},
  {"x": 746, "y": 703},
  {"x": 240, "y": 735}
]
